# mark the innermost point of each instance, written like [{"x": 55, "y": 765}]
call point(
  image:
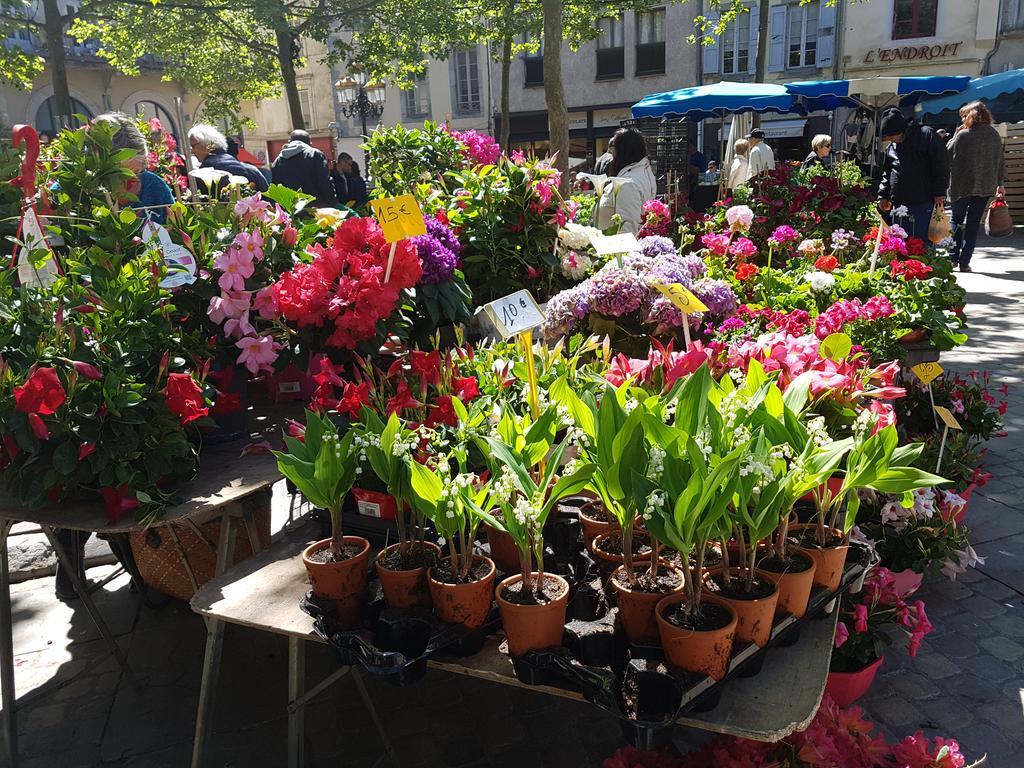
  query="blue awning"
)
[
  {"x": 873, "y": 92},
  {"x": 717, "y": 100},
  {"x": 984, "y": 88}
]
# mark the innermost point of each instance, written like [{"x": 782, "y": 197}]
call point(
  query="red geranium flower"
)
[
  {"x": 911, "y": 269},
  {"x": 915, "y": 246},
  {"x": 746, "y": 271},
  {"x": 826, "y": 263},
  {"x": 185, "y": 398},
  {"x": 42, "y": 393}
]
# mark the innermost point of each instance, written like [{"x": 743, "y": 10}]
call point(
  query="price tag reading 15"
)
[
  {"x": 399, "y": 217},
  {"x": 514, "y": 313}
]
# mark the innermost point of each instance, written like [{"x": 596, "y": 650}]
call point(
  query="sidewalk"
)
[{"x": 966, "y": 683}]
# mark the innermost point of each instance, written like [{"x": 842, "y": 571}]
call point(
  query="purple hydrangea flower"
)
[
  {"x": 678, "y": 269},
  {"x": 439, "y": 251},
  {"x": 661, "y": 311},
  {"x": 716, "y": 295},
  {"x": 655, "y": 245},
  {"x": 564, "y": 310},
  {"x": 616, "y": 292}
]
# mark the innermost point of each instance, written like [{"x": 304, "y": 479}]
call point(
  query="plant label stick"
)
[
  {"x": 878, "y": 247},
  {"x": 515, "y": 313},
  {"x": 927, "y": 373},
  {"x": 399, "y": 218},
  {"x": 949, "y": 421},
  {"x": 685, "y": 302},
  {"x": 942, "y": 447},
  {"x": 526, "y": 337}
]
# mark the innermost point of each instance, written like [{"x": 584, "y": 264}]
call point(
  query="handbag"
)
[
  {"x": 939, "y": 228},
  {"x": 999, "y": 222}
]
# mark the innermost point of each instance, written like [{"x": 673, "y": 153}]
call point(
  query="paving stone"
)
[
  {"x": 914, "y": 686},
  {"x": 1002, "y": 648},
  {"x": 946, "y": 714},
  {"x": 1007, "y": 718},
  {"x": 988, "y": 668},
  {"x": 954, "y": 646},
  {"x": 995, "y": 590},
  {"x": 984, "y": 607},
  {"x": 897, "y": 712},
  {"x": 933, "y": 665},
  {"x": 971, "y": 689}
]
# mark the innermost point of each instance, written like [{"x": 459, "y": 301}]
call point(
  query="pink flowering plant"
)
[
  {"x": 976, "y": 403},
  {"x": 867, "y": 620}
]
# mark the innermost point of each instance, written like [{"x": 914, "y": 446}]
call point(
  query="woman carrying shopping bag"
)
[{"x": 976, "y": 174}]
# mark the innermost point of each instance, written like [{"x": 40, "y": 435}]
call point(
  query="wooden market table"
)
[
  {"x": 225, "y": 482},
  {"x": 264, "y": 591}
]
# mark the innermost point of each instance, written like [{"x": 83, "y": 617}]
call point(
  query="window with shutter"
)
[
  {"x": 802, "y": 38},
  {"x": 611, "y": 50},
  {"x": 736, "y": 46},
  {"x": 914, "y": 18},
  {"x": 467, "y": 82},
  {"x": 650, "y": 42}
]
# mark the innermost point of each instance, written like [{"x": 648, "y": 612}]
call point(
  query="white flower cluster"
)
[
  {"x": 703, "y": 441},
  {"x": 817, "y": 431},
  {"x": 576, "y": 265},
  {"x": 656, "y": 467},
  {"x": 577, "y": 236},
  {"x": 361, "y": 443},
  {"x": 657, "y": 500},
  {"x": 401, "y": 449},
  {"x": 669, "y": 411},
  {"x": 864, "y": 424},
  {"x": 451, "y": 489},
  {"x": 755, "y": 465},
  {"x": 502, "y": 488},
  {"x": 526, "y": 514},
  {"x": 630, "y": 404},
  {"x": 821, "y": 282}
]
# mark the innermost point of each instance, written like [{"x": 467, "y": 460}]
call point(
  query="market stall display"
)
[{"x": 714, "y": 438}]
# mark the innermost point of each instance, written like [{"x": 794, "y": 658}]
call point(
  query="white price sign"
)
[
  {"x": 514, "y": 313},
  {"x": 610, "y": 245}
]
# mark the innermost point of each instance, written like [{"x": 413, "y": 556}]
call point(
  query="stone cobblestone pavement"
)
[{"x": 967, "y": 681}]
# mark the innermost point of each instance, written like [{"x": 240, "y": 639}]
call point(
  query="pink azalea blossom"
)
[
  {"x": 258, "y": 353},
  {"x": 235, "y": 265}
]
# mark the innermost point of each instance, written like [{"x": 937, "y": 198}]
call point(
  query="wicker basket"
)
[{"x": 161, "y": 560}]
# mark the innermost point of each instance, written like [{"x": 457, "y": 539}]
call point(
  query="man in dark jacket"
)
[
  {"x": 210, "y": 148},
  {"x": 915, "y": 173},
  {"x": 303, "y": 167}
]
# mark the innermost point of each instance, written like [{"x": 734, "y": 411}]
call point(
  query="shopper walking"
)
[
  {"x": 630, "y": 183},
  {"x": 915, "y": 173},
  {"x": 761, "y": 158},
  {"x": 355, "y": 184},
  {"x": 740, "y": 161},
  {"x": 303, "y": 167},
  {"x": 821, "y": 153},
  {"x": 975, "y": 174}
]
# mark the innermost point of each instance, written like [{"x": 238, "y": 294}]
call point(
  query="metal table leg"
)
[
  {"x": 296, "y": 714},
  {"x": 388, "y": 748},
  {"x": 214, "y": 647},
  {"x": 90, "y": 606},
  {"x": 7, "y": 652}
]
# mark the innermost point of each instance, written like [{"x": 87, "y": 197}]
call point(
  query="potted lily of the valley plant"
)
[
  {"x": 525, "y": 489},
  {"x": 322, "y": 466},
  {"x": 401, "y": 567}
]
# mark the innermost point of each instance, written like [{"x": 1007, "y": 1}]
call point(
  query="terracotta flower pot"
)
[
  {"x": 606, "y": 562},
  {"x": 846, "y": 687},
  {"x": 754, "y": 618},
  {"x": 913, "y": 337},
  {"x": 504, "y": 551},
  {"x": 533, "y": 627},
  {"x": 828, "y": 562},
  {"x": 467, "y": 604},
  {"x": 636, "y": 607},
  {"x": 343, "y": 583},
  {"x": 907, "y": 581},
  {"x": 794, "y": 587},
  {"x": 407, "y": 588},
  {"x": 594, "y": 526},
  {"x": 703, "y": 652}
]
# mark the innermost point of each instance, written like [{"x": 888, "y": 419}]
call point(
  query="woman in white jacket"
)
[{"x": 629, "y": 185}]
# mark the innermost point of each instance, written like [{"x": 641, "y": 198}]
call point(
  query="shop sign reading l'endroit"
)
[{"x": 914, "y": 53}]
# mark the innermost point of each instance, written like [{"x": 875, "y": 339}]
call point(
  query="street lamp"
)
[{"x": 358, "y": 96}]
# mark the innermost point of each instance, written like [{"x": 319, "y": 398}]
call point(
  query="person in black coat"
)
[
  {"x": 820, "y": 157},
  {"x": 915, "y": 173},
  {"x": 210, "y": 148},
  {"x": 356, "y": 185},
  {"x": 340, "y": 183},
  {"x": 303, "y": 167}
]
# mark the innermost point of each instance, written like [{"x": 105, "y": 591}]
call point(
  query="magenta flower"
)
[
  {"x": 239, "y": 326},
  {"x": 860, "y": 618},
  {"x": 258, "y": 353},
  {"x": 782, "y": 235},
  {"x": 717, "y": 244},
  {"x": 235, "y": 265},
  {"x": 250, "y": 243},
  {"x": 743, "y": 248},
  {"x": 842, "y": 634}
]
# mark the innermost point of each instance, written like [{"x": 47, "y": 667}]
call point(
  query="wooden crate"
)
[{"x": 1013, "y": 149}]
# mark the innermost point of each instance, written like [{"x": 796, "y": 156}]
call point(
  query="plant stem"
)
[
  {"x": 627, "y": 552},
  {"x": 653, "y": 573},
  {"x": 337, "y": 538}
]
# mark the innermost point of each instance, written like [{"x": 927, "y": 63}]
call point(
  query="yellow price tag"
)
[
  {"x": 399, "y": 217},
  {"x": 927, "y": 372},
  {"x": 947, "y": 418},
  {"x": 685, "y": 301}
]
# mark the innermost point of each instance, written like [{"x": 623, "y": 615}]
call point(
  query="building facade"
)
[{"x": 636, "y": 53}]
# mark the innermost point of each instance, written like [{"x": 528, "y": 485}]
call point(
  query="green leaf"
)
[
  {"x": 65, "y": 458},
  {"x": 836, "y": 346}
]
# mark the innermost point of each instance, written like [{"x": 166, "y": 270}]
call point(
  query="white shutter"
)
[
  {"x": 826, "y": 35},
  {"x": 777, "y": 39},
  {"x": 711, "y": 52},
  {"x": 755, "y": 26}
]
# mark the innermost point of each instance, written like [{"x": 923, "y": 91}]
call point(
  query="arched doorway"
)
[
  {"x": 47, "y": 120},
  {"x": 150, "y": 109}
]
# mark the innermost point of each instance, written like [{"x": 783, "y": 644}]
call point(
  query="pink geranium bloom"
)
[
  {"x": 740, "y": 217},
  {"x": 860, "y": 617},
  {"x": 744, "y": 248},
  {"x": 717, "y": 244},
  {"x": 842, "y": 634},
  {"x": 236, "y": 266},
  {"x": 258, "y": 353}
]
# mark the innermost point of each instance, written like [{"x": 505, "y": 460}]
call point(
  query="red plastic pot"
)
[
  {"x": 834, "y": 484},
  {"x": 846, "y": 687}
]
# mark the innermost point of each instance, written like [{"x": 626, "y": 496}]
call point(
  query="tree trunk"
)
[
  {"x": 56, "y": 59},
  {"x": 554, "y": 93},
  {"x": 506, "y": 70},
  {"x": 763, "y": 44},
  {"x": 285, "y": 41}
]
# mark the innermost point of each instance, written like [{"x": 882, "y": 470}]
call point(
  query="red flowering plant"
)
[
  {"x": 867, "y": 618},
  {"x": 164, "y": 159},
  {"x": 976, "y": 403},
  {"x": 657, "y": 220}
]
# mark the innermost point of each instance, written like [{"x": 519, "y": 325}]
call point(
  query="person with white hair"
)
[
  {"x": 210, "y": 148},
  {"x": 821, "y": 149},
  {"x": 152, "y": 194}
]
